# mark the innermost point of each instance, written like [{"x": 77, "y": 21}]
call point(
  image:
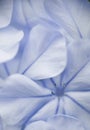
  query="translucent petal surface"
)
[
  {"x": 20, "y": 99},
  {"x": 78, "y": 58},
  {"x": 9, "y": 43},
  {"x": 81, "y": 81},
  {"x": 6, "y": 8},
  {"x": 77, "y": 104},
  {"x": 56, "y": 123},
  {"x": 20, "y": 86},
  {"x": 49, "y": 61},
  {"x": 34, "y": 11},
  {"x": 66, "y": 13}
]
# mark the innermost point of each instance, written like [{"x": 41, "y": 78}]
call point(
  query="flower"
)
[
  {"x": 26, "y": 101},
  {"x": 47, "y": 81}
]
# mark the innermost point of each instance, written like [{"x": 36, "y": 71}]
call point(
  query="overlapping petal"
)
[
  {"x": 77, "y": 104},
  {"x": 78, "y": 58},
  {"x": 81, "y": 82},
  {"x": 49, "y": 61},
  {"x": 27, "y": 13},
  {"x": 9, "y": 43},
  {"x": 47, "y": 111},
  {"x": 66, "y": 13},
  {"x": 19, "y": 86},
  {"x": 20, "y": 99},
  {"x": 26, "y": 104},
  {"x": 56, "y": 123}
]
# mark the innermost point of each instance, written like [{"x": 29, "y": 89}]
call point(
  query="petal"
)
[
  {"x": 84, "y": 8},
  {"x": 82, "y": 98},
  {"x": 4, "y": 56},
  {"x": 35, "y": 46},
  {"x": 20, "y": 99},
  {"x": 59, "y": 12},
  {"x": 12, "y": 66},
  {"x": 65, "y": 122},
  {"x": 77, "y": 104},
  {"x": 9, "y": 43},
  {"x": 56, "y": 123},
  {"x": 17, "y": 111},
  {"x": 45, "y": 60},
  {"x": 50, "y": 63},
  {"x": 39, "y": 125},
  {"x": 21, "y": 86},
  {"x": 34, "y": 11},
  {"x": 66, "y": 14},
  {"x": 78, "y": 58},
  {"x": 47, "y": 111},
  {"x": 6, "y": 8},
  {"x": 81, "y": 83}
]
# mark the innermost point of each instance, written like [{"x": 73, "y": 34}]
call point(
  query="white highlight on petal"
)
[{"x": 9, "y": 43}]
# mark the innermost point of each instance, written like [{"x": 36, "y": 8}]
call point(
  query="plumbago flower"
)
[{"x": 46, "y": 85}]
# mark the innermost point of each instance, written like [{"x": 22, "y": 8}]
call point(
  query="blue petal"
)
[
  {"x": 81, "y": 82},
  {"x": 45, "y": 60},
  {"x": 70, "y": 15},
  {"x": 82, "y": 99},
  {"x": 6, "y": 8},
  {"x": 47, "y": 111},
  {"x": 19, "y": 86},
  {"x": 20, "y": 99},
  {"x": 34, "y": 11},
  {"x": 17, "y": 112},
  {"x": 9, "y": 43},
  {"x": 78, "y": 105},
  {"x": 78, "y": 58},
  {"x": 56, "y": 123}
]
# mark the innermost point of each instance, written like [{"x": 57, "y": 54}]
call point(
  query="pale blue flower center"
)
[{"x": 58, "y": 92}]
